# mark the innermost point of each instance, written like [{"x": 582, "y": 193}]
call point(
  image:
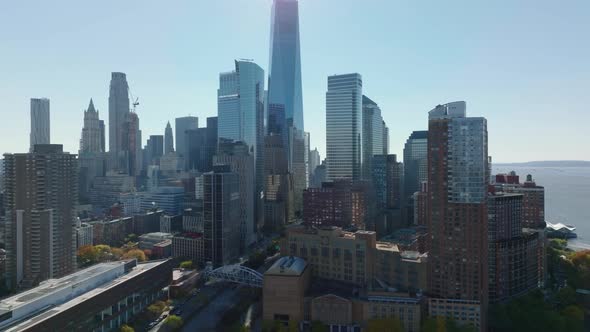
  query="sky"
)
[{"x": 523, "y": 65}]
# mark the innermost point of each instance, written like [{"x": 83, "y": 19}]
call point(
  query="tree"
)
[
  {"x": 156, "y": 308},
  {"x": 104, "y": 252},
  {"x": 384, "y": 324},
  {"x": 293, "y": 326},
  {"x": 574, "y": 318},
  {"x": 87, "y": 255},
  {"x": 135, "y": 253},
  {"x": 173, "y": 322},
  {"x": 126, "y": 328},
  {"x": 186, "y": 265}
]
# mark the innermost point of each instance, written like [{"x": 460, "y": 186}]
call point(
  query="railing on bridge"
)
[{"x": 235, "y": 273}]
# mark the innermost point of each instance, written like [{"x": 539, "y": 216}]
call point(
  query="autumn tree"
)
[{"x": 135, "y": 253}]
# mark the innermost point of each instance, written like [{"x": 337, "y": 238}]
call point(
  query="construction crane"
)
[{"x": 134, "y": 101}]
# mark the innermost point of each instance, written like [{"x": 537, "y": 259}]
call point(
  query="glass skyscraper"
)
[
  {"x": 284, "y": 97},
  {"x": 373, "y": 135},
  {"x": 284, "y": 80},
  {"x": 344, "y": 128},
  {"x": 240, "y": 110},
  {"x": 415, "y": 162}
]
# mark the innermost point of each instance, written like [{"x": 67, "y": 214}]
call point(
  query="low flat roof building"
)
[{"x": 101, "y": 297}]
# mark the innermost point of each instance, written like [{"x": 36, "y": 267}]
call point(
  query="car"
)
[
  {"x": 164, "y": 317},
  {"x": 152, "y": 324},
  {"x": 179, "y": 312}
]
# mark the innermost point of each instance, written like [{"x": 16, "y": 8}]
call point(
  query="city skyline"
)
[{"x": 518, "y": 91}]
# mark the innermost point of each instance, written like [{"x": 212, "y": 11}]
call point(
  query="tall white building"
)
[
  {"x": 40, "y": 125},
  {"x": 373, "y": 135},
  {"x": 344, "y": 126}
]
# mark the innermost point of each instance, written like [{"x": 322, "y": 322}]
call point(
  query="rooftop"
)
[
  {"x": 69, "y": 281},
  {"x": 287, "y": 266}
]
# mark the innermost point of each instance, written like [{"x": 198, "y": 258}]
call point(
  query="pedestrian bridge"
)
[{"x": 235, "y": 273}]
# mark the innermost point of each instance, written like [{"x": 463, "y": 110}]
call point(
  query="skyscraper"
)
[
  {"x": 457, "y": 216},
  {"x": 201, "y": 146},
  {"x": 168, "y": 139},
  {"x": 284, "y": 80},
  {"x": 235, "y": 154},
  {"x": 183, "y": 124},
  {"x": 40, "y": 199},
  {"x": 415, "y": 168},
  {"x": 240, "y": 110},
  {"x": 373, "y": 135},
  {"x": 40, "y": 124},
  {"x": 344, "y": 128},
  {"x": 314, "y": 161},
  {"x": 221, "y": 199},
  {"x": 154, "y": 149},
  {"x": 91, "y": 140},
  {"x": 284, "y": 97},
  {"x": 118, "y": 113},
  {"x": 91, "y": 155}
]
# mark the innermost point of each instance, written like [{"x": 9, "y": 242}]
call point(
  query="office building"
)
[
  {"x": 284, "y": 287},
  {"x": 221, "y": 219},
  {"x": 344, "y": 127},
  {"x": 147, "y": 241},
  {"x": 189, "y": 246},
  {"x": 131, "y": 161},
  {"x": 236, "y": 155},
  {"x": 457, "y": 218},
  {"x": 41, "y": 193},
  {"x": 314, "y": 161},
  {"x": 168, "y": 139},
  {"x": 106, "y": 190},
  {"x": 372, "y": 137},
  {"x": 284, "y": 97},
  {"x": 240, "y": 110},
  {"x": 415, "y": 166},
  {"x": 105, "y": 297},
  {"x": 154, "y": 149},
  {"x": 168, "y": 199},
  {"x": 386, "y": 175},
  {"x": 40, "y": 124},
  {"x": 118, "y": 116},
  {"x": 111, "y": 232},
  {"x": 201, "y": 146},
  {"x": 182, "y": 125}
]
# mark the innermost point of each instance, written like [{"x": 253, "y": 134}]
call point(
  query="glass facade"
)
[
  {"x": 415, "y": 162},
  {"x": 373, "y": 134},
  {"x": 284, "y": 81},
  {"x": 344, "y": 126}
]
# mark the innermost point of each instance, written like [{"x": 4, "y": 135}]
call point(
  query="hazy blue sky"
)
[{"x": 524, "y": 65}]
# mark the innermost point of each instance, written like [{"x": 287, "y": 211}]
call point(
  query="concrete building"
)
[
  {"x": 189, "y": 246},
  {"x": 171, "y": 224},
  {"x": 356, "y": 258},
  {"x": 386, "y": 176},
  {"x": 168, "y": 199},
  {"x": 92, "y": 133},
  {"x": 341, "y": 203},
  {"x": 533, "y": 204},
  {"x": 344, "y": 127},
  {"x": 84, "y": 234},
  {"x": 279, "y": 186},
  {"x": 457, "y": 218},
  {"x": 41, "y": 193},
  {"x": 106, "y": 190},
  {"x": 283, "y": 290},
  {"x": 100, "y": 298},
  {"x": 40, "y": 123},
  {"x": 154, "y": 149},
  {"x": 111, "y": 232},
  {"x": 147, "y": 241}
]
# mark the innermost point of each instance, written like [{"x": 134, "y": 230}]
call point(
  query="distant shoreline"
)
[{"x": 548, "y": 163}]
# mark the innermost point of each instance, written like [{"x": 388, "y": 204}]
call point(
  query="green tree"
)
[
  {"x": 293, "y": 326},
  {"x": 126, "y": 328},
  {"x": 173, "y": 322},
  {"x": 573, "y": 318},
  {"x": 186, "y": 265}
]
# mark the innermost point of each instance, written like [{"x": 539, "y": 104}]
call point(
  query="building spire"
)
[{"x": 91, "y": 106}]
